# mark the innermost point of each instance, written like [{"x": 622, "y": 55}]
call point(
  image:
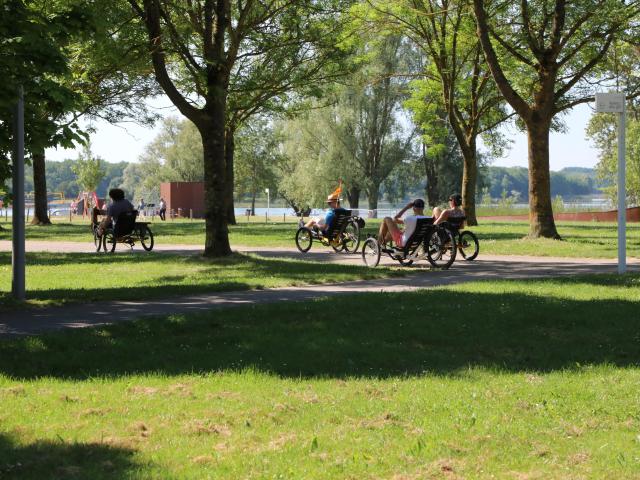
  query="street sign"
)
[{"x": 610, "y": 102}]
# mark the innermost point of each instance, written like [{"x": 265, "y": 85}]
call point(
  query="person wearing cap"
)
[
  {"x": 323, "y": 223},
  {"x": 389, "y": 229},
  {"x": 455, "y": 210}
]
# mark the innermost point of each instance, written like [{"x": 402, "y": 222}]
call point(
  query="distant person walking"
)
[
  {"x": 163, "y": 210},
  {"x": 141, "y": 206}
]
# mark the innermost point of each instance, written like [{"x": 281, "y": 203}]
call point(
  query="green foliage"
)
[
  {"x": 258, "y": 160},
  {"x": 359, "y": 138},
  {"x": 89, "y": 170},
  {"x": 603, "y": 131}
]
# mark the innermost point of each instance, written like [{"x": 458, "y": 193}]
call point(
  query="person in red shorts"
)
[{"x": 389, "y": 229}]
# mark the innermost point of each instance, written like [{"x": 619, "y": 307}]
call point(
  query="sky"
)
[{"x": 126, "y": 141}]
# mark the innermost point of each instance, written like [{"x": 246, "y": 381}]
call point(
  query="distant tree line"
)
[{"x": 140, "y": 180}]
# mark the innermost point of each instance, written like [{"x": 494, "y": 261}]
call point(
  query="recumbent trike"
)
[
  {"x": 342, "y": 235},
  {"x": 126, "y": 230},
  {"x": 434, "y": 243}
]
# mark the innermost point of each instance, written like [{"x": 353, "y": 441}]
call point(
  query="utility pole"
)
[
  {"x": 18, "y": 256},
  {"x": 615, "y": 103}
]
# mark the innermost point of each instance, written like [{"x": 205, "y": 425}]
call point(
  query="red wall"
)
[
  {"x": 633, "y": 215},
  {"x": 184, "y": 196}
]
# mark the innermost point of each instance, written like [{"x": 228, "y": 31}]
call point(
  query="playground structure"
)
[{"x": 84, "y": 202}]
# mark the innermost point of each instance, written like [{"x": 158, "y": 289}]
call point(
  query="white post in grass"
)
[
  {"x": 266, "y": 190},
  {"x": 615, "y": 103}
]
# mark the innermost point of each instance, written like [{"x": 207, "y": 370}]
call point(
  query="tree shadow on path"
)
[{"x": 441, "y": 332}]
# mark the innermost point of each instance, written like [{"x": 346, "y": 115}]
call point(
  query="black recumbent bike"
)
[
  {"x": 466, "y": 241},
  {"x": 127, "y": 231},
  {"x": 343, "y": 235},
  {"x": 434, "y": 243}
]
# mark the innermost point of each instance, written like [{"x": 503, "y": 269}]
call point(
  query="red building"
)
[{"x": 183, "y": 197}]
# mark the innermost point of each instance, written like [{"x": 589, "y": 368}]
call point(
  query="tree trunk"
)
[
  {"x": 353, "y": 196},
  {"x": 431, "y": 172},
  {"x": 469, "y": 182},
  {"x": 372, "y": 195},
  {"x": 229, "y": 152},
  {"x": 215, "y": 187},
  {"x": 40, "y": 211},
  {"x": 253, "y": 203},
  {"x": 540, "y": 208}
]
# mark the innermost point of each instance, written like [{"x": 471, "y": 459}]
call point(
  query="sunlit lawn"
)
[
  {"x": 54, "y": 278},
  {"x": 586, "y": 239},
  {"x": 513, "y": 380}
]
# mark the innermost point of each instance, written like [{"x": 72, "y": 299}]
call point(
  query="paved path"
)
[{"x": 34, "y": 321}]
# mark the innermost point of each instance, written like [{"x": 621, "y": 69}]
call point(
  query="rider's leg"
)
[{"x": 104, "y": 224}]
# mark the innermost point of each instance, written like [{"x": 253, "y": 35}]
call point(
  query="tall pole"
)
[
  {"x": 622, "y": 194},
  {"x": 18, "y": 256},
  {"x": 268, "y": 201}
]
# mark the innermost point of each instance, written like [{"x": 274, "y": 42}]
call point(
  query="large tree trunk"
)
[
  {"x": 373, "y": 195},
  {"x": 541, "y": 223},
  {"x": 353, "y": 196},
  {"x": 40, "y": 211},
  {"x": 229, "y": 152},
  {"x": 469, "y": 182},
  {"x": 215, "y": 188}
]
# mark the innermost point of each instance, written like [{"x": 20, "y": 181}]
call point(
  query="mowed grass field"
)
[
  {"x": 513, "y": 380},
  {"x": 58, "y": 278},
  {"x": 588, "y": 239}
]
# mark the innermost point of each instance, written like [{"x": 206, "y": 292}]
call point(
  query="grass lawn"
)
[
  {"x": 587, "y": 239},
  {"x": 54, "y": 278},
  {"x": 514, "y": 380}
]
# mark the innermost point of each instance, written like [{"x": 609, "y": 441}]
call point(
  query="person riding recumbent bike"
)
[
  {"x": 343, "y": 235},
  {"x": 127, "y": 231},
  {"x": 466, "y": 241},
  {"x": 434, "y": 243}
]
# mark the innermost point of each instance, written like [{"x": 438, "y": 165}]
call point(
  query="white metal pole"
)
[
  {"x": 622, "y": 193},
  {"x": 18, "y": 256}
]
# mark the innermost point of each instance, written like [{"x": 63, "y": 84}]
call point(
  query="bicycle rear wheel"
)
[
  {"x": 441, "y": 248},
  {"x": 146, "y": 238},
  {"x": 469, "y": 246}
]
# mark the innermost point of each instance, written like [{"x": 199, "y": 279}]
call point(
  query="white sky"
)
[{"x": 125, "y": 142}]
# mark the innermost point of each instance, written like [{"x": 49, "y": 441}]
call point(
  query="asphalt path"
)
[{"x": 33, "y": 321}]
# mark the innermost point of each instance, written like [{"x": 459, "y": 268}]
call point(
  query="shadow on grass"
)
[
  {"x": 201, "y": 275},
  {"x": 61, "y": 460},
  {"x": 440, "y": 331}
]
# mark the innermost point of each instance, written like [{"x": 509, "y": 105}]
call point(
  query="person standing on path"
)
[{"x": 163, "y": 209}]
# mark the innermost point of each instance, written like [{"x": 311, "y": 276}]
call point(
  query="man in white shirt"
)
[{"x": 389, "y": 229}]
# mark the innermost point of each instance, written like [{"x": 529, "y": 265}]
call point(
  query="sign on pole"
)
[{"x": 615, "y": 103}]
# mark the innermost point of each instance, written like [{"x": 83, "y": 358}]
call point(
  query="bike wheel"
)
[
  {"x": 441, "y": 248},
  {"x": 97, "y": 241},
  {"x": 371, "y": 252},
  {"x": 351, "y": 237},
  {"x": 109, "y": 241},
  {"x": 337, "y": 244},
  {"x": 303, "y": 239},
  {"x": 146, "y": 238},
  {"x": 468, "y": 245}
]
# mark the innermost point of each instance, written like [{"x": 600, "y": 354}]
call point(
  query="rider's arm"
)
[
  {"x": 443, "y": 216},
  {"x": 398, "y": 216}
]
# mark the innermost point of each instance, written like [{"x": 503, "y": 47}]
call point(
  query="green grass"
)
[
  {"x": 586, "y": 239},
  {"x": 54, "y": 278},
  {"x": 579, "y": 239},
  {"x": 506, "y": 380}
]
